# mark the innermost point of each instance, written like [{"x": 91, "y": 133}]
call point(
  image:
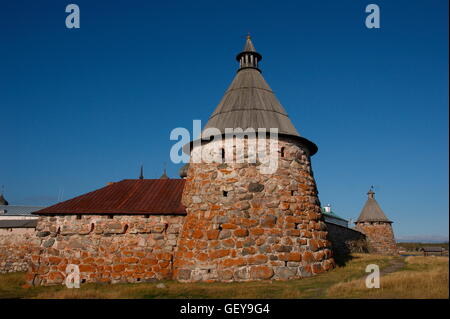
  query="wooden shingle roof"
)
[
  {"x": 371, "y": 211},
  {"x": 249, "y": 102}
]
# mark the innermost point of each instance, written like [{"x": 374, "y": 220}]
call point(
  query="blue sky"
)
[{"x": 80, "y": 108}]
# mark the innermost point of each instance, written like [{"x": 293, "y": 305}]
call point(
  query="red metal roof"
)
[{"x": 130, "y": 196}]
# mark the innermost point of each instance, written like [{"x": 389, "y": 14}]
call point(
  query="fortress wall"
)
[
  {"x": 345, "y": 240},
  {"x": 16, "y": 248},
  {"x": 126, "y": 248}
]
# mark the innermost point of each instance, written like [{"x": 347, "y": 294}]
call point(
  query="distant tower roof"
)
[
  {"x": 371, "y": 211},
  {"x": 164, "y": 175},
  {"x": 3, "y": 201},
  {"x": 249, "y": 102}
]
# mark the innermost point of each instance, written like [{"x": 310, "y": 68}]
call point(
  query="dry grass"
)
[
  {"x": 422, "y": 278},
  {"x": 342, "y": 282}
]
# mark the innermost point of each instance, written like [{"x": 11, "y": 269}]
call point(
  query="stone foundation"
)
[
  {"x": 380, "y": 237},
  {"x": 244, "y": 225},
  {"x": 126, "y": 248},
  {"x": 16, "y": 248}
]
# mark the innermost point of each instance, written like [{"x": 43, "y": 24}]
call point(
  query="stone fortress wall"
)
[
  {"x": 108, "y": 254},
  {"x": 126, "y": 248},
  {"x": 345, "y": 241},
  {"x": 16, "y": 248},
  {"x": 240, "y": 225}
]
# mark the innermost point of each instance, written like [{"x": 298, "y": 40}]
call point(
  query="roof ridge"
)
[
  {"x": 253, "y": 109},
  {"x": 249, "y": 87}
]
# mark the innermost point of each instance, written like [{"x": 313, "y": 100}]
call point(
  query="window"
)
[
  {"x": 282, "y": 152},
  {"x": 223, "y": 153},
  {"x": 225, "y": 194}
]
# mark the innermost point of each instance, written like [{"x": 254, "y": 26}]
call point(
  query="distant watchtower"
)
[
  {"x": 242, "y": 224},
  {"x": 377, "y": 227},
  {"x": 3, "y": 201}
]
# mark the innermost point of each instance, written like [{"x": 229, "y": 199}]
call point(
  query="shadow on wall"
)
[{"x": 345, "y": 241}]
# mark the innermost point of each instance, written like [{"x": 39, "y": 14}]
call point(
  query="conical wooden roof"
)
[
  {"x": 371, "y": 211},
  {"x": 249, "y": 102}
]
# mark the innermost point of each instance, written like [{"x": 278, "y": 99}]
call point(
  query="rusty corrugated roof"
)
[{"x": 130, "y": 196}]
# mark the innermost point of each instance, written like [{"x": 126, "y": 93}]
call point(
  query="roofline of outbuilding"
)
[
  {"x": 334, "y": 216},
  {"x": 374, "y": 221}
]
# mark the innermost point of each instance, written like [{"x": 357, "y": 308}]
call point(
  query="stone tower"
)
[
  {"x": 243, "y": 224},
  {"x": 377, "y": 228}
]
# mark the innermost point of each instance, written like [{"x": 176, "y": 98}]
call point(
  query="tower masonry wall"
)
[
  {"x": 380, "y": 237},
  {"x": 244, "y": 225}
]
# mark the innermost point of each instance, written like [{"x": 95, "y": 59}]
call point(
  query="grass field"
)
[
  {"x": 416, "y": 246},
  {"x": 411, "y": 277}
]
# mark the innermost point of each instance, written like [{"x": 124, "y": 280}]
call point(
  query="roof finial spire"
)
[
  {"x": 164, "y": 175},
  {"x": 141, "y": 175},
  {"x": 371, "y": 193},
  {"x": 248, "y": 58}
]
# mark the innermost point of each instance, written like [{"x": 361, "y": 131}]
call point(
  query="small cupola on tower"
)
[{"x": 249, "y": 58}]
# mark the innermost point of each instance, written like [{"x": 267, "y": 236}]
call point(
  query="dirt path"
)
[{"x": 396, "y": 264}]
